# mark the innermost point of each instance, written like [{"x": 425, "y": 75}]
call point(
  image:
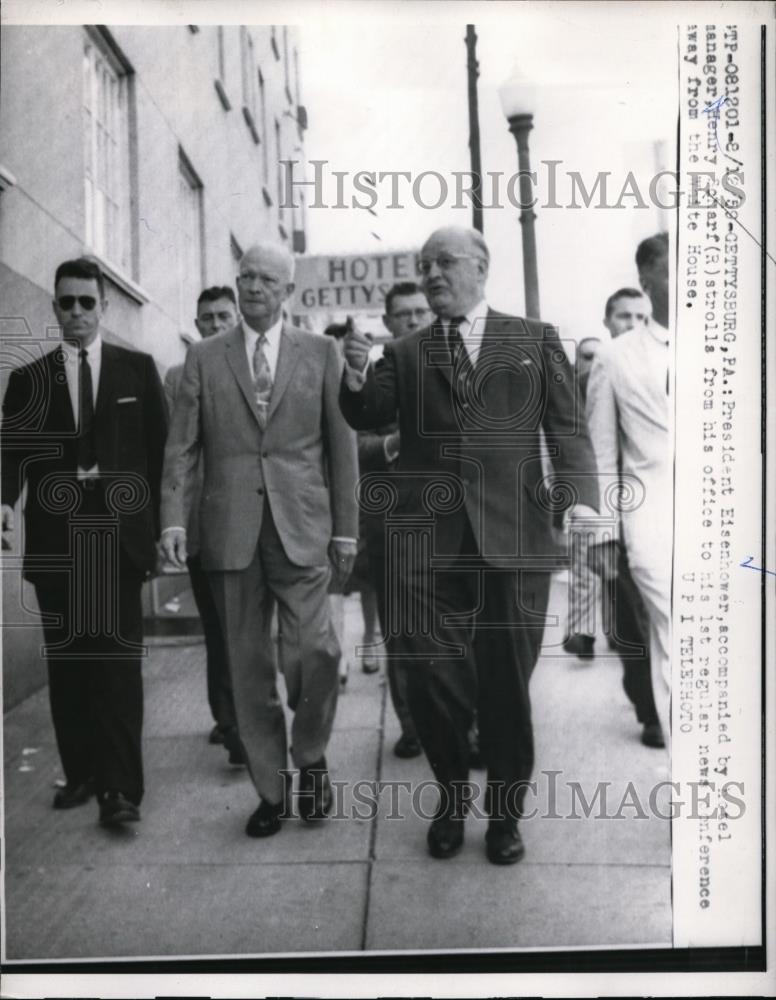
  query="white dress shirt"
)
[
  {"x": 271, "y": 345},
  {"x": 71, "y": 352}
]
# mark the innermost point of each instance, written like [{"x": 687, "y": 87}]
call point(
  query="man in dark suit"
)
[
  {"x": 216, "y": 313},
  {"x": 471, "y": 522},
  {"x": 83, "y": 431},
  {"x": 406, "y": 310},
  {"x": 278, "y": 515}
]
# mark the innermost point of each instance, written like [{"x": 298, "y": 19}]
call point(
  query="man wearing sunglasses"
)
[
  {"x": 83, "y": 430},
  {"x": 472, "y": 549}
]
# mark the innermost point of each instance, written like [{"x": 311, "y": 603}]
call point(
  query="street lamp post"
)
[{"x": 516, "y": 98}]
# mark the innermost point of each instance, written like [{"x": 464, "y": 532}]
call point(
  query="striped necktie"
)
[
  {"x": 262, "y": 380},
  {"x": 461, "y": 359}
]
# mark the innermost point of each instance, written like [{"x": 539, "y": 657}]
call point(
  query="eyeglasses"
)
[
  {"x": 249, "y": 277},
  {"x": 444, "y": 261},
  {"x": 86, "y": 302}
]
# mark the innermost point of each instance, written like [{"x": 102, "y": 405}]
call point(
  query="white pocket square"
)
[{"x": 127, "y": 399}]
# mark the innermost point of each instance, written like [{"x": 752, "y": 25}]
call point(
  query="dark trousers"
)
[
  {"x": 93, "y": 630},
  {"x": 492, "y": 621},
  {"x": 219, "y": 684},
  {"x": 631, "y": 635},
  {"x": 397, "y": 670}
]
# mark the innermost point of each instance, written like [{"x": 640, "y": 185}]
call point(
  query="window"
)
[
  {"x": 263, "y": 123},
  {"x": 221, "y": 54},
  {"x": 248, "y": 71},
  {"x": 248, "y": 61},
  {"x": 189, "y": 244},
  {"x": 220, "y": 80},
  {"x": 106, "y": 154},
  {"x": 279, "y": 151},
  {"x": 285, "y": 64}
]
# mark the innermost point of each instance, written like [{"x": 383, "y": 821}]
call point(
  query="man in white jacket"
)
[{"x": 628, "y": 419}]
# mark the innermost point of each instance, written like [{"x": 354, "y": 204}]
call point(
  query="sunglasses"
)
[{"x": 86, "y": 302}]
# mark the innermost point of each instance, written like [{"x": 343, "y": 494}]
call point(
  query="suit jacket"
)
[
  {"x": 172, "y": 384},
  {"x": 371, "y": 459},
  {"x": 39, "y": 445},
  {"x": 304, "y": 461},
  {"x": 478, "y": 448},
  {"x": 628, "y": 412}
]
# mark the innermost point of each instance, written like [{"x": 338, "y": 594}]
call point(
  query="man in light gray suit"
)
[{"x": 278, "y": 515}]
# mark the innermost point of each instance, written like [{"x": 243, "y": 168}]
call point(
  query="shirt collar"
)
[
  {"x": 272, "y": 335},
  {"x": 93, "y": 351},
  {"x": 477, "y": 312}
]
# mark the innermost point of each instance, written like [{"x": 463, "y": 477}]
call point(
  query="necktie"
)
[
  {"x": 87, "y": 448},
  {"x": 262, "y": 380},
  {"x": 462, "y": 363}
]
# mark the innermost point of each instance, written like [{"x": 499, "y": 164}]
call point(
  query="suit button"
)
[
  {"x": 260, "y": 491},
  {"x": 265, "y": 454}
]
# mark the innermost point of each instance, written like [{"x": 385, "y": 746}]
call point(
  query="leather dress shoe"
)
[
  {"x": 652, "y": 735},
  {"x": 445, "y": 836},
  {"x": 216, "y": 735},
  {"x": 370, "y": 665},
  {"x": 581, "y": 646},
  {"x": 232, "y": 744},
  {"x": 116, "y": 809},
  {"x": 265, "y": 820},
  {"x": 407, "y": 747},
  {"x": 503, "y": 844},
  {"x": 74, "y": 795},
  {"x": 315, "y": 794}
]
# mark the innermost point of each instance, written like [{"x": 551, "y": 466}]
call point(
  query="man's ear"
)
[
  {"x": 385, "y": 324},
  {"x": 290, "y": 289}
]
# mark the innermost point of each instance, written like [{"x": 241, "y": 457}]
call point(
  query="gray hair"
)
[{"x": 278, "y": 251}]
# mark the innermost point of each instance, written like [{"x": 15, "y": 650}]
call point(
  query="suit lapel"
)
[
  {"x": 288, "y": 357},
  {"x": 109, "y": 383},
  {"x": 234, "y": 348},
  {"x": 436, "y": 353}
]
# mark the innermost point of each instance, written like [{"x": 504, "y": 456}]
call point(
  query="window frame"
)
[
  {"x": 189, "y": 286},
  {"x": 109, "y": 164}
]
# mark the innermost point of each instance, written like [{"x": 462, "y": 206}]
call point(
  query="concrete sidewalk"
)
[{"x": 187, "y": 881}]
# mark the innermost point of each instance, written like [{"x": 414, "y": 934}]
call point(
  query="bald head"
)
[
  {"x": 265, "y": 281},
  {"x": 454, "y": 268}
]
